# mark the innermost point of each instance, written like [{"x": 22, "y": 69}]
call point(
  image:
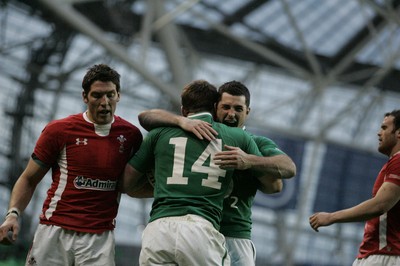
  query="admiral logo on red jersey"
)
[{"x": 82, "y": 182}]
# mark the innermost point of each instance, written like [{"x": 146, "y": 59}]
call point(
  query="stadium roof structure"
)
[
  {"x": 322, "y": 71},
  {"x": 322, "y": 44}
]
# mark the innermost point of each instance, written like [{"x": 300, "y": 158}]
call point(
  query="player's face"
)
[
  {"x": 101, "y": 101},
  {"x": 232, "y": 110},
  {"x": 387, "y": 137}
]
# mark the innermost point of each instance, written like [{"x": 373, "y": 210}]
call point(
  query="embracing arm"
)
[
  {"x": 21, "y": 196},
  {"x": 135, "y": 183},
  {"x": 270, "y": 185},
  {"x": 272, "y": 169},
  {"x": 275, "y": 169},
  {"x": 154, "y": 118},
  {"x": 278, "y": 166},
  {"x": 160, "y": 118},
  {"x": 386, "y": 197}
]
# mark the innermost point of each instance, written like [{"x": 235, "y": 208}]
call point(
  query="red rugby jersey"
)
[
  {"x": 382, "y": 234},
  {"x": 86, "y": 161}
]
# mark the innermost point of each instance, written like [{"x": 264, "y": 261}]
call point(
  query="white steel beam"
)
[{"x": 66, "y": 12}]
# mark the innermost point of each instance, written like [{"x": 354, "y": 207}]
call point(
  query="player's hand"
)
[
  {"x": 9, "y": 231},
  {"x": 233, "y": 157},
  {"x": 202, "y": 129},
  {"x": 320, "y": 219}
]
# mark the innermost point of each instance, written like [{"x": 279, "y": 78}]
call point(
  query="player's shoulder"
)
[
  {"x": 395, "y": 157},
  {"x": 124, "y": 123},
  {"x": 160, "y": 132},
  {"x": 61, "y": 123},
  {"x": 119, "y": 120},
  {"x": 262, "y": 139},
  {"x": 267, "y": 146},
  {"x": 394, "y": 161}
]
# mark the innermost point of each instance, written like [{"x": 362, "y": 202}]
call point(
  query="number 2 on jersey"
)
[{"x": 213, "y": 171}]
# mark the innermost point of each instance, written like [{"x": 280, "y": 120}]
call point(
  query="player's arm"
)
[
  {"x": 274, "y": 169},
  {"x": 267, "y": 167},
  {"x": 154, "y": 118},
  {"x": 270, "y": 185},
  {"x": 146, "y": 190},
  {"x": 278, "y": 166},
  {"x": 386, "y": 197},
  {"x": 21, "y": 196},
  {"x": 135, "y": 183}
]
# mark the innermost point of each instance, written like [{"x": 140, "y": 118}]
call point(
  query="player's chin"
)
[
  {"x": 104, "y": 118},
  {"x": 231, "y": 123}
]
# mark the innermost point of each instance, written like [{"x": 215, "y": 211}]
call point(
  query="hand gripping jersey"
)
[
  {"x": 236, "y": 216},
  {"x": 382, "y": 234},
  {"x": 86, "y": 161},
  {"x": 186, "y": 179}
]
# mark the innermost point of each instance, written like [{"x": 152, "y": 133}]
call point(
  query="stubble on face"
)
[
  {"x": 101, "y": 102},
  {"x": 232, "y": 110},
  {"x": 387, "y": 136}
]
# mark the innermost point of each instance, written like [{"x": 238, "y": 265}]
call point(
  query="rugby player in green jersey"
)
[
  {"x": 189, "y": 187},
  {"x": 233, "y": 109}
]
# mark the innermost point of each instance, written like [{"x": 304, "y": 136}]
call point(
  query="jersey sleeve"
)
[
  {"x": 393, "y": 170},
  {"x": 250, "y": 145},
  {"x": 137, "y": 137},
  {"x": 48, "y": 145},
  {"x": 143, "y": 159},
  {"x": 254, "y": 149},
  {"x": 267, "y": 146}
]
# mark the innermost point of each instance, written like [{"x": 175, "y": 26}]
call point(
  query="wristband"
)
[{"x": 13, "y": 212}]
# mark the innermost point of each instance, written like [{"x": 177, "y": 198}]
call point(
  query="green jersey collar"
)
[{"x": 206, "y": 116}]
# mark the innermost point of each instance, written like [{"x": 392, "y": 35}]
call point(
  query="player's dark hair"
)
[
  {"x": 100, "y": 72},
  {"x": 396, "y": 120},
  {"x": 235, "y": 88},
  {"x": 199, "y": 96}
]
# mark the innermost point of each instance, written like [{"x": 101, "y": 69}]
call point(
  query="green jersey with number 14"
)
[{"x": 186, "y": 179}]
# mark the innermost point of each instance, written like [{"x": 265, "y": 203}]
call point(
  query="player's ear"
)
[
  {"x": 248, "y": 110},
  {"x": 184, "y": 112},
  {"x": 84, "y": 97}
]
